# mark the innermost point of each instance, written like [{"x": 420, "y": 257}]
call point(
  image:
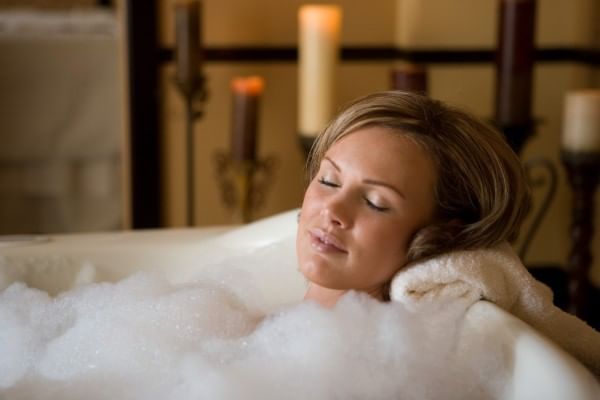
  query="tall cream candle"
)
[
  {"x": 318, "y": 58},
  {"x": 581, "y": 123}
]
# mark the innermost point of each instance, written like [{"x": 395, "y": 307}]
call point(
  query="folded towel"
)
[{"x": 496, "y": 275}]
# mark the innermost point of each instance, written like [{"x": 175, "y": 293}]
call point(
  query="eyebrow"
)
[{"x": 369, "y": 181}]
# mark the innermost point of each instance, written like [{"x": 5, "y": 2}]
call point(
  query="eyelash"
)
[{"x": 324, "y": 182}]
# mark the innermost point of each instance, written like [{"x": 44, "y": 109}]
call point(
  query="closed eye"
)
[
  {"x": 375, "y": 207},
  {"x": 368, "y": 202},
  {"x": 325, "y": 182}
]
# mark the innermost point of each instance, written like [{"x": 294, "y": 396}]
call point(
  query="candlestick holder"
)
[
  {"x": 536, "y": 180},
  {"x": 583, "y": 171},
  {"x": 306, "y": 143},
  {"x": 517, "y": 134},
  {"x": 194, "y": 95},
  {"x": 244, "y": 184}
]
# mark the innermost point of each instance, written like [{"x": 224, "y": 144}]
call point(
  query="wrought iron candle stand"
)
[
  {"x": 583, "y": 171},
  {"x": 195, "y": 97},
  {"x": 540, "y": 172},
  {"x": 306, "y": 143},
  {"x": 191, "y": 83},
  {"x": 517, "y": 135},
  {"x": 550, "y": 179},
  {"x": 244, "y": 184}
]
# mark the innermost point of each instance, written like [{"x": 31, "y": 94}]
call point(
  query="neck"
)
[{"x": 328, "y": 298}]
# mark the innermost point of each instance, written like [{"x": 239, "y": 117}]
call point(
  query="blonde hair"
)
[{"x": 481, "y": 191}]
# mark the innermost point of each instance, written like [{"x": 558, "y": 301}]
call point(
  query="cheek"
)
[
  {"x": 388, "y": 244},
  {"x": 311, "y": 201},
  {"x": 310, "y": 207}
]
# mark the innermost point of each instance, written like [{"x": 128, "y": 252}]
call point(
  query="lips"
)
[{"x": 326, "y": 242}]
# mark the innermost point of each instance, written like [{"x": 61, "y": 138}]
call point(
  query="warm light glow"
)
[
  {"x": 250, "y": 85},
  {"x": 322, "y": 17},
  {"x": 581, "y": 125}
]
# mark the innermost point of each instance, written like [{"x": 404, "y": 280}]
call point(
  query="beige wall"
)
[{"x": 406, "y": 23}]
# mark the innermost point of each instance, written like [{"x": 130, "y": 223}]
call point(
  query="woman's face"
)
[{"x": 373, "y": 191}]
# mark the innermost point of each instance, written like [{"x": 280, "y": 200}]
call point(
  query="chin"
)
[
  {"x": 312, "y": 270},
  {"x": 321, "y": 274}
]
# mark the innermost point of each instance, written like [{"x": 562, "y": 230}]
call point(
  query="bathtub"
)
[
  {"x": 55, "y": 263},
  {"x": 539, "y": 369}
]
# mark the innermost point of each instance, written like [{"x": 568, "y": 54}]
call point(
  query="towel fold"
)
[{"x": 497, "y": 275}]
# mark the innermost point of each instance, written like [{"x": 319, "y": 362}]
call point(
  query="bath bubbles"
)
[{"x": 147, "y": 338}]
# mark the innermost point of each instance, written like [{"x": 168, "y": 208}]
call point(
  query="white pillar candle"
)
[
  {"x": 581, "y": 124},
  {"x": 318, "y": 58}
]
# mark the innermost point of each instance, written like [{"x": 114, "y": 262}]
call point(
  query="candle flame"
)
[{"x": 250, "y": 85}]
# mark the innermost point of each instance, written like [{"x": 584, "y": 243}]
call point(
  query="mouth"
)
[{"x": 326, "y": 242}]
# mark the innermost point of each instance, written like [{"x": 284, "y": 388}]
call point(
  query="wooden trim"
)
[{"x": 388, "y": 53}]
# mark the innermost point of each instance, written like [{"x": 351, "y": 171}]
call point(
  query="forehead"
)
[
  {"x": 379, "y": 153},
  {"x": 379, "y": 143}
]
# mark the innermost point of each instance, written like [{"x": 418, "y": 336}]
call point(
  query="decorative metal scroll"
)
[{"x": 550, "y": 179}]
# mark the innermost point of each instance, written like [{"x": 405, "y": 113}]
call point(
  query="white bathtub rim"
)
[{"x": 67, "y": 261}]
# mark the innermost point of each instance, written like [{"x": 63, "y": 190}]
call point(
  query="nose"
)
[{"x": 336, "y": 211}]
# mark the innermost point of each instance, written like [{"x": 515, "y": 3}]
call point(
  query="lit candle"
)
[
  {"x": 581, "y": 123},
  {"x": 318, "y": 58},
  {"x": 246, "y": 94},
  {"x": 410, "y": 78},
  {"x": 514, "y": 62},
  {"x": 188, "y": 56}
]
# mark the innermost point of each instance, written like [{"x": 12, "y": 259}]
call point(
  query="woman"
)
[
  {"x": 405, "y": 177},
  {"x": 414, "y": 200}
]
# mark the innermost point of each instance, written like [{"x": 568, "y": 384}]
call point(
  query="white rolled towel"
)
[{"x": 496, "y": 275}]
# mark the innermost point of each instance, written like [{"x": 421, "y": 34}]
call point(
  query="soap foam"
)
[{"x": 147, "y": 338}]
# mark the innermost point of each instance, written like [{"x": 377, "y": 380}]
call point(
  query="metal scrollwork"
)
[
  {"x": 244, "y": 183},
  {"x": 549, "y": 179}
]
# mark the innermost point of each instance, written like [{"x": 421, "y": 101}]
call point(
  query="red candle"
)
[
  {"x": 514, "y": 62},
  {"x": 188, "y": 55},
  {"x": 246, "y": 95},
  {"x": 409, "y": 77}
]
